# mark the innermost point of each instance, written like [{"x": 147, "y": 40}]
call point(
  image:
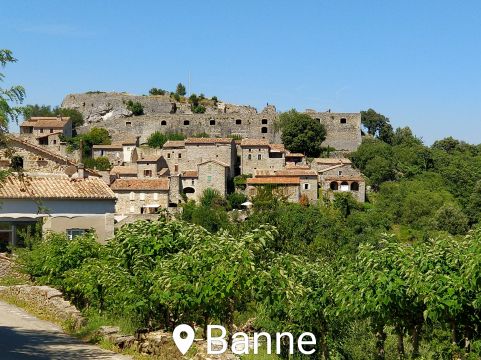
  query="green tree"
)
[
  {"x": 155, "y": 91},
  {"x": 180, "y": 89},
  {"x": 9, "y": 97},
  {"x": 301, "y": 133},
  {"x": 101, "y": 163},
  {"x": 375, "y": 123},
  {"x": 136, "y": 107},
  {"x": 157, "y": 140},
  {"x": 450, "y": 218}
]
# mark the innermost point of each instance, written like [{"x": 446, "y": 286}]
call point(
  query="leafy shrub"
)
[
  {"x": 158, "y": 139},
  {"x": 101, "y": 163},
  {"x": 235, "y": 200},
  {"x": 136, "y": 107},
  {"x": 180, "y": 89},
  {"x": 155, "y": 91}
]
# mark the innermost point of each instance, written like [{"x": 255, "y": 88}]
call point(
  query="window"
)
[
  {"x": 51, "y": 131},
  {"x": 212, "y": 122},
  {"x": 264, "y": 121},
  {"x": 238, "y": 122},
  {"x": 128, "y": 123},
  {"x": 148, "y": 173},
  {"x": 55, "y": 142},
  {"x": 355, "y": 186},
  {"x": 163, "y": 123},
  {"x": 264, "y": 130},
  {"x": 343, "y": 120},
  {"x": 168, "y": 156},
  {"x": 176, "y": 168},
  {"x": 249, "y": 157},
  {"x": 344, "y": 186},
  {"x": 41, "y": 131},
  {"x": 307, "y": 186},
  {"x": 132, "y": 196},
  {"x": 142, "y": 196},
  {"x": 259, "y": 156},
  {"x": 209, "y": 178},
  {"x": 180, "y": 156},
  {"x": 192, "y": 182},
  {"x": 339, "y": 173},
  {"x": 186, "y": 122},
  {"x": 73, "y": 233},
  {"x": 334, "y": 186},
  {"x": 16, "y": 163},
  {"x": 156, "y": 196}
]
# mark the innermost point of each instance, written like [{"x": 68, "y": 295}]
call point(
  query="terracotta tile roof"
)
[
  {"x": 330, "y": 161},
  {"x": 149, "y": 158},
  {"x": 296, "y": 172},
  {"x": 343, "y": 178},
  {"x": 46, "y": 122},
  {"x": 276, "y": 180},
  {"x": 277, "y": 148},
  {"x": 41, "y": 149},
  {"x": 265, "y": 173},
  {"x": 190, "y": 174},
  {"x": 254, "y": 142},
  {"x": 49, "y": 134},
  {"x": 173, "y": 144},
  {"x": 108, "y": 147},
  {"x": 289, "y": 154},
  {"x": 124, "y": 170},
  {"x": 54, "y": 188},
  {"x": 208, "y": 141},
  {"x": 215, "y": 162},
  {"x": 140, "y": 184}
]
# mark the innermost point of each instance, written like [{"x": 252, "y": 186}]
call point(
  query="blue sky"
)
[{"x": 417, "y": 62}]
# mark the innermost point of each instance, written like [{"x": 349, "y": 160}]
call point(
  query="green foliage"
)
[
  {"x": 195, "y": 106},
  {"x": 9, "y": 97},
  {"x": 235, "y": 200},
  {"x": 101, "y": 163},
  {"x": 96, "y": 136},
  {"x": 45, "y": 110},
  {"x": 375, "y": 123},
  {"x": 136, "y": 107},
  {"x": 450, "y": 218},
  {"x": 155, "y": 91},
  {"x": 158, "y": 139},
  {"x": 199, "y": 109},
  {"x": 301, "y": 133},
  {"x": 180, "y": 90},
  {"x": 211, "y": 197}
]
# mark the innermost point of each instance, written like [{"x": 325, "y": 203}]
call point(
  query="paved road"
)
[{"x": 25, "y": 337}]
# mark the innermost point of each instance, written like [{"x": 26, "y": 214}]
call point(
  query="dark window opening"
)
[
  {"x": 186, "y": 122},
  {"x": 163, "y": 123},
  {"x": 264, "y": 130},
  {"x": 264, "y": 121},
  {"x": 355, "y": 186},
  {"x": 212, "y": 122},
  {"x": 238, "y": 122},
  {"x": 343, "y": 121},
  {"x": 334, "y": 186},
  {"x": 128, "y": 123}
]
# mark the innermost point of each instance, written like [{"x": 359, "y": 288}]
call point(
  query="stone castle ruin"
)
[{"x": 162, "y": 113}]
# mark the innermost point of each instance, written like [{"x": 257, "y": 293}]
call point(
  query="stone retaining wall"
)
[{"x": 46, "y": 298}]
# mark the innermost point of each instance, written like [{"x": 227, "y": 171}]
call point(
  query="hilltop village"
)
[{"x": 239, "y": 151}]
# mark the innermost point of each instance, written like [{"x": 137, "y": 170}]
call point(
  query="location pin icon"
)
[{"x": 183, "y": 344}]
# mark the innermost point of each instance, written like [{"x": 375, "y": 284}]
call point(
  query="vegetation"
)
[
  {"x": 195, "y": 105},
  {"x": 155, "y": 91},
  {"x": 301, "y": 133},
  {"x": 136, "y": 107},
  {"x": 9, "y": 97},
  {"x": 180, "y": 89},
  {"x": 101, "y": 163},
  {"x": 46, "y": 110},
  {"x": 158, "y": 139}
]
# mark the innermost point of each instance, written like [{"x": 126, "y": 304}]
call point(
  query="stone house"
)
[
  {"x": 118, "y": 153},
  {"x": 64, "y": 204},
  {"x": 339, "y": 175},
  {"x": 38, "y": 127},
  {"x": 214, "y": 175},
  {"x": 308, "y": 181},
  {"x": 258, "y": 154},
  {"x": 285, "y": 187},
  {"x": 32, "y": 158},
  {"x": 150, "y": 166},
  {"x": 141, "y": 196},
  {"x": 124, "y": 172}
]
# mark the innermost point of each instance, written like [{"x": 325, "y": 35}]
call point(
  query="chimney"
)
[{"x": 81, "y": 171}]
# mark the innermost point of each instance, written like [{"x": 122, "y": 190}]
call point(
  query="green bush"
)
[
  {"x": 155, "y": 91},
  {"x": 101, "y": 163},
  {"x": 136, "y": 107}
]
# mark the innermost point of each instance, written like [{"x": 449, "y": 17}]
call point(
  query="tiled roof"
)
[
  {"x": 208, "y": 141},
  {"x": 296, "y": 172},
  {"x": 265, "y": 173},
  {"x": 277, "y": 147},
  {"x": 173, "y": 144},
  {"x": 331, "y": 161},
  {"x": 190, "y": 174},
  {"x": 140, "y": 184},
  {"x": 343, "y": 177},
  {"x": 124, "y": 170},
  {"x": 54, "y": 188},
  {"x": 46, "y": 122},
  {"x": 49, "y": 134},
  {"x": 289, "y": 154},
  {"x": 254, "y": 142},
  {"x": 276, "y": 180},
  {"x": 149, "y": 158}
]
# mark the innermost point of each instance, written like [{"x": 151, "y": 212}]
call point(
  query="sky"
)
[{"x": 416, "y": 61}]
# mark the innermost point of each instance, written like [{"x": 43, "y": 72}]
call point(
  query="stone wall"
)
[
  {"x": 131, "y": 202},
  {"x": 45, "y": 298}
]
